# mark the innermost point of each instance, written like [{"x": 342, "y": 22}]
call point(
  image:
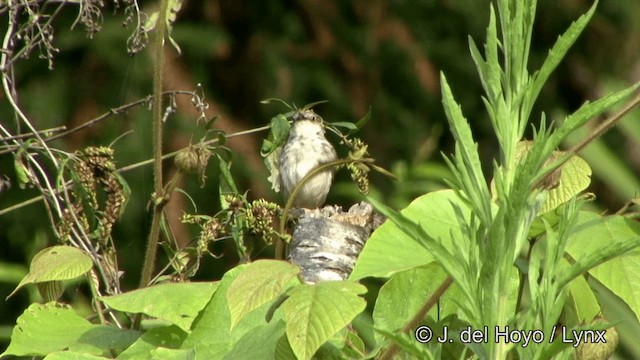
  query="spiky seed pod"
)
[{"x": 187, "y": 161}]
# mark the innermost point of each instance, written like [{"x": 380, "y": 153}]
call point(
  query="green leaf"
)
[
  {"x": 363, "y": 121},
  {"x": 272, "y": 146},
  {"x": 489, "y": 69},
  {"x": 167, "y": 336},
  {"x": 586, "y": 112},
  {"x": 178, "y": 303},
  {"x": 46, "y": 328},
  {"x": 606, "y": 243},
  {"x": 582, "y": 305},
  {"x": 72, "y": 355},
  {"x": 56, "y": 263},
  {"x": 22, "y": 172},
  {"x": 226, "y": 179},
  {"x": 277, "y": 135},
  {"x": 467, "y": 160},
  {"x": 345, "y": 124},
  {"x": 558, "y": 51},
  {"x": 211, "y": 334},
  {"x": 173, "y": 354},
  {"x": 259, "y": 283},
  {"x": 259, "y": 343},
  {"x": 314, "y": 313},
  {"x": 405, "y": 293},
  {"x": 408, "y": 343},
  {"x": 390, "y": 250},
  {"x": 575, "y": 177}
]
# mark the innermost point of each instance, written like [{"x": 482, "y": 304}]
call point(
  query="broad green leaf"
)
[
  {"x": 390, "y": 250},
  {"x": 211, "y": 334},
  {"x": 178, "y": 303},
  {"x": 173, "y": 354},
  {"x": 260, "y": 282},
  {"x": 314, "y": 313},
  {"x": 259, "y": 343},
  {"x": 606, "y": 243},
  {"x": 46, "y": 328},
  {"x": 403, "y": 295},
  {"x": 56, "y": 263},
  {"x": 167, "y": 336},
  {"x": 283, "y": 350},
  {"x": 72, "y": 355}
]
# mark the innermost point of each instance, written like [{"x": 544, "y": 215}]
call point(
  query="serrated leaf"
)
[
  {"x": 467, "y": 159},
  {"x": 259, "y": 283},
  {"x": 314, "y": 313},
  {"x": 606, "y": 242},
  {"x": 558, "y": 51},
  {"x": 586, "y": 112},
  {"x": 56, "y": 263},
  {"x": 390, "y": 250},
  {"x": 46, "y": 328},
  {"x": 178, "y": 303}
]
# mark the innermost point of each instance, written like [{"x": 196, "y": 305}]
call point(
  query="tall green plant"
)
[{"x": 505, "y": 277}]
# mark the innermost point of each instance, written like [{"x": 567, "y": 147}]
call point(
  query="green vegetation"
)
[{"x": 114, "y": 252}]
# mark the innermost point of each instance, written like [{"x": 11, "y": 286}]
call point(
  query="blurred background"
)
[{"x": 359, "y": 55}]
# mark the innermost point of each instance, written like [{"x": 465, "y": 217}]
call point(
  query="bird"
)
[{"x": 305, "y": 149}]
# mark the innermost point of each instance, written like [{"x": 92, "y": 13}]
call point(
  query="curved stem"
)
[
  {"x": 417, "y": 318},
  {"x": 279, "y": 253}
]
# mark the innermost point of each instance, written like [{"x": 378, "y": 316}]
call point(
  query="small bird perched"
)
[{"x": 306, "y": 149}]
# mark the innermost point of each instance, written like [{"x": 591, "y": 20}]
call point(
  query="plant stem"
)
[
  {"x": 158, "y": 196},
  {"x": 599, "y": 131},
  {"x": 417, "y": 318},
  {"x": 279, "y": 252}
]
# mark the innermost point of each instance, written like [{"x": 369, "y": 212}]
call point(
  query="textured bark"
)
[{"x": 326, "y": 242}]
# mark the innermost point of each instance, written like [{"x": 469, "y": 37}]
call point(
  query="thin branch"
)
[
  {"x": 159, "y": 199},
  {"x": 115, "y": 111},
  {"x": 28, "y": 135},
  {"x": 136, "y": 165},
  {"x": 418, "y": 317},
  {"x": 596, "y": 133}
]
